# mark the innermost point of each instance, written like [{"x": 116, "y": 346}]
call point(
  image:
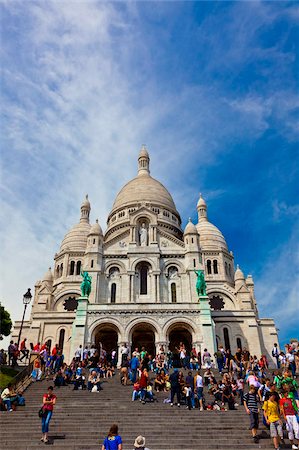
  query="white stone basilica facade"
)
[{"x": 143, "y": 281}]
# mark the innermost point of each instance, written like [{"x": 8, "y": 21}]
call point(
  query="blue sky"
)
[{"x": 210, "y": 87}]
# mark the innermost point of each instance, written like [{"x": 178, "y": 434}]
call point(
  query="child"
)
[
  {"x": 288, "y": 411},
  {"x": 271, "y": 414},
  {"x": 240, "y": 390},
  {"x": 251, "y": 407}
]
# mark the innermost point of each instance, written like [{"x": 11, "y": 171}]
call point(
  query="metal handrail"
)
[{"x": 20, "y": 377}]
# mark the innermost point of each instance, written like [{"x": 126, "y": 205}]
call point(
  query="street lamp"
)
[{"x": 26, "y": 300}]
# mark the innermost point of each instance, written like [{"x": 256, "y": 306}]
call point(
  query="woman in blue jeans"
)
[{"x": 49, "y": 401}]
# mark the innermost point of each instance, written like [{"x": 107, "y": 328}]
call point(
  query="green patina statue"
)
[
  {"x": 86, "y": 284},
  {"x": 200, "y": 283}
]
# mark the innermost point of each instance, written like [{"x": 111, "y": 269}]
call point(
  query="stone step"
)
[{"x": 82, "y": 419}]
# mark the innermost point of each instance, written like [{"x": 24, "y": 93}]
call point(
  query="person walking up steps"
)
[{"x": 113, "y": 441}]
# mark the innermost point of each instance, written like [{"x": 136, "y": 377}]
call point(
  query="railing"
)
[{"x": 23, "y": 379}]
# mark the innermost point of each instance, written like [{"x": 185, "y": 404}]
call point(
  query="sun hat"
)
[{"x": 139, "y": 442}]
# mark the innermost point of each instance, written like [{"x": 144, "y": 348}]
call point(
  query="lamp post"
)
[{"x": 26, "y": 300}]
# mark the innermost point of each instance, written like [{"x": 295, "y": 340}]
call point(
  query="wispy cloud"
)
[{"x": 86, "y": 83}]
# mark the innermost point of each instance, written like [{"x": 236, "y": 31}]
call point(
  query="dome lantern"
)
[
  {"x": 201, "y": 209},
  {"x": 143, "y": 161},
  {"x": 85, "y": 210}
]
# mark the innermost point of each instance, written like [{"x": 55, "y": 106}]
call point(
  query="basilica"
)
[{"x": 143, "y": 281}]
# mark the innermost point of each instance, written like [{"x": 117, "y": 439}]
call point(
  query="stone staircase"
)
[{"x": 82, "y": 419}]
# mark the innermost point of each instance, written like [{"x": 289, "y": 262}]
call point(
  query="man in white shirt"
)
[
  {"x": 198, "y": 384},
  {"x": 124, "y": 353},
  {"x": 79, "y": 353},
  {"x": 291, "y": 361},
  {"x": 275, "y": 354}
]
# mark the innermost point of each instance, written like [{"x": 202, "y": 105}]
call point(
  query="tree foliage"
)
[{"x": 5, "y": 322}]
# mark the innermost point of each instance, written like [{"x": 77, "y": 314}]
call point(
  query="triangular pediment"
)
[
  {"x": 120, "y": 241},
  {"x": 44, "y": 291},
  {"x": 168, "y": 240},
  {"x": 243, "y": 290}
]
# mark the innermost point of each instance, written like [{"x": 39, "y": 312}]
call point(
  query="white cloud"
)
[{"x": 77, "y": 106}]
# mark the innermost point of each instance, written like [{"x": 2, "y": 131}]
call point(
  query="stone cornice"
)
[{"x": 148, "y": 312}]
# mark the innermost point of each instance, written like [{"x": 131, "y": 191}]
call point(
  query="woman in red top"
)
[
  {"x": 143, "y": 382},
  {"x": 49, "y": 401}
]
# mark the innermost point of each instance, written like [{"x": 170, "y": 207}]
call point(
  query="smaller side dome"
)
[
  {"x": 190, "y": 228},
  {"x": 96, "y": 229},
  {"x": 239, "y": 275},
  {"x": 48, "y": 275}
]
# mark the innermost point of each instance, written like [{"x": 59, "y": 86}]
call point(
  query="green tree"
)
[{"x": 5, "y": 322}]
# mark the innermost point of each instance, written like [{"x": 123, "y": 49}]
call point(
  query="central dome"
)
[{"x": 144, "y": 188}]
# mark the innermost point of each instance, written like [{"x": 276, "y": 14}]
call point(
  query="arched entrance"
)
[
  {"x": 143, "y": 335},
  {"x": 106, "y": 337},
  {"x": 177, "y": 334}
]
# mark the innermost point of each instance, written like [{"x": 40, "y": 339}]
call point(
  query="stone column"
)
[
  {"x": 79, "y": 325},
  {"x": 158, "y": 288},
  {"x": 207, "y": 324}
]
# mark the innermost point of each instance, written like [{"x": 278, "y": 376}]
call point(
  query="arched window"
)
[
  {"x": 72, "y": 268},
  {"x": 239, "y": 343},
  {"x": 49, "y": 344},
  {"x": 61, "y": 338},
  {"x": 57, "y": 271},
  {"x": 194, "y": 263},
  {"x": 143, "y": 280},
  {"x": 209, "y": 266},
  {"x": 192, "y": 240},
  {"x": 94, "y": 241},
  {"x": 215, "y": 266},
  {"x": 91, "y": 263},
  {"x": 226, "y": 271},
  {"x": 78, "y": 271},
  {"x": 113, "y": 292},
  {"x": 173, "y": 292},
  {"x": 226, "y": 338},
  {"x": 61, "y": 269},
  {"x": 229, "y": 270}
]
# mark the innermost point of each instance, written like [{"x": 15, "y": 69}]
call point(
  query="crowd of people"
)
[{"x": 220, "y": 381}]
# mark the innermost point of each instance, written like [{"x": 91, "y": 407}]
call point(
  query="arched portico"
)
[
  {"x": 178, "y": 332},
  {"x": 143, "y": 334}
]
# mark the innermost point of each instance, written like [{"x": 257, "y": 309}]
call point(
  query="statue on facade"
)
[
  {"x": 143, "y": 235},
  {"x": 86, "y": 284},
  {"x": 200, "y": 283}
]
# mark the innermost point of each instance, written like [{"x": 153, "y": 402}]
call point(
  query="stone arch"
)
[
  {"x": 228, "y": 298},
  {"x": 70, "y": 292},
  {"x": 105, "y": 321},
  {"x": 140, "y": 321},
  {"x": 179, "y": 330},
  {"x": 175, "y": 263},
  {"x": 144, "y": 213},
  {"x": 114, "y": 263},
  {"x": 176, "y": 332},
  {"x": 143, "y": 333},
  {"x": 171, "y": 323},
  {"x": 144, "y": 259}
]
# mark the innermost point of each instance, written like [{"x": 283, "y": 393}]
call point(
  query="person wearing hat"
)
[{"x": 140, "y": 443}]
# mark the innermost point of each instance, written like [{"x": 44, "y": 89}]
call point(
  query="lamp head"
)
[{"x": 27, "y": 297}]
